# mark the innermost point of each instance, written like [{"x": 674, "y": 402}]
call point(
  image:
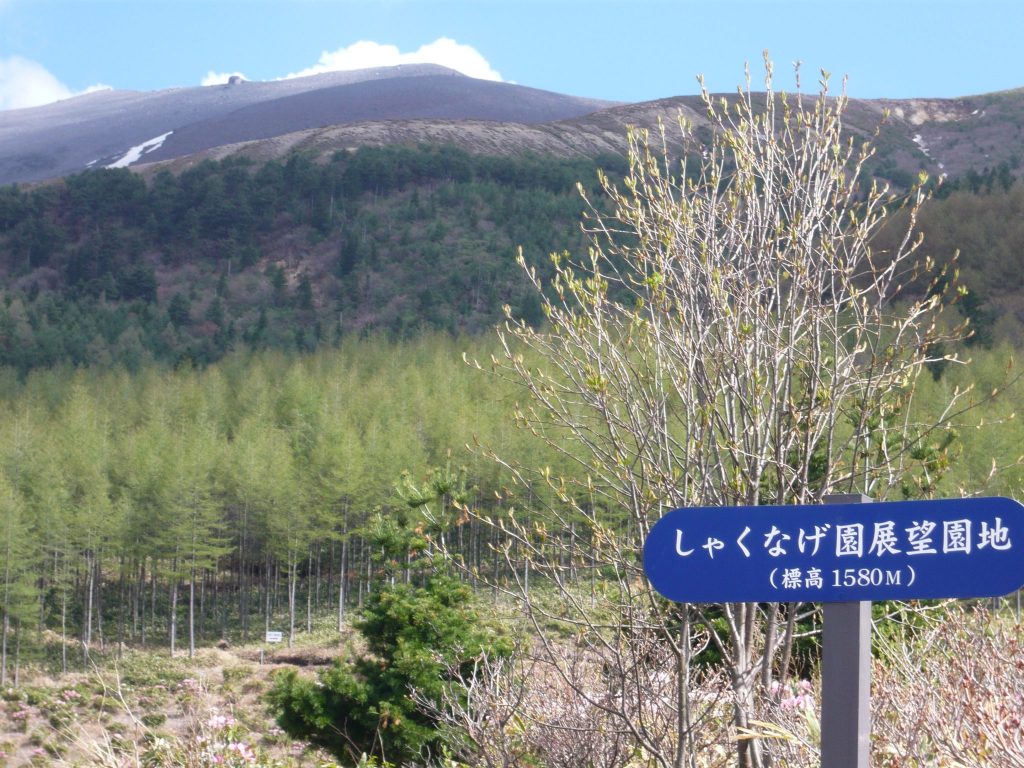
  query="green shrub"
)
[
  {"x": 237, "y": 674},
  {"x": 413, "y": 634},
  {"x": 37, "y": 696},
  {"x": 154, "y": 719}
]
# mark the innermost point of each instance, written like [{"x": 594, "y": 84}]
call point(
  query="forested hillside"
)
[
  {"x": 105, "y": 267},
  {"x": 109, "y": 267},
  {"x": 292, "y": 471},
  {"x": 981, "y": 216},
  {"x": 251, "y": 494},
  {"x": 254, "y": 396},
  {"x": 269, "y": 488}
]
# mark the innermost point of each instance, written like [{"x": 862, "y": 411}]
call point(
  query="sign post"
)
[
  {"x": 272, "y": 636},
  {"x": 846, "y": 676},
  {"x": 844, "y": 554}
]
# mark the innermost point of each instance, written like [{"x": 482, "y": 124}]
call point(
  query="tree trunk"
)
[
  {"x": 266, "y": 583},
  {"x": 220, "y": 607},
  {"x": 526, "y": 576},
  {"x": 292, "y": 579},
  {"x": 6, "y": 609},
  {"x": 787, "y": 640},
  {"x": 319, "y": 560},
  {"x": 329, "y": 586},
  {"x": 123, "y": 598},
  {"x": 98, "y": 586},
  {"x": 64, "y": 627},
  {"x": 743, "y": 679},
  {"x": 495, "y": 563},
  {"x": 174, "y": 608},
  {"x": 17, "y": 653},
  {"x": 87, "y": 619},
  {"x": 275, "y": 584},
  {"x": 342, "y": 571},
  {"x": 152, "y": 598},
  {"x": 243, "y": 576},
  {"x": 139, "y": 604},
  {"x": 684, "y": 725},
  {"x": 309, "y": 594},
  {"x": 359, "y": 577},
  {"x": 204, "y": 577},
  {"x": 192, "y": 611},
  {"x": 3, "y": 650}
]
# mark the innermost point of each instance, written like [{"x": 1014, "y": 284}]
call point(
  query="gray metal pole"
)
[{"x": 846, "y": 676}]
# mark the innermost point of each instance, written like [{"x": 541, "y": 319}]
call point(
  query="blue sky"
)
[{"x": 630, "y": 50}]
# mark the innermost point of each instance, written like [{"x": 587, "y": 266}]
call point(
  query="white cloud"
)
[
  {"x": 95, "y": 89},
  {"x": 366, "y": 54},
  {"x": 217, "y": 78},
  {"x": 27, "y": 83}
]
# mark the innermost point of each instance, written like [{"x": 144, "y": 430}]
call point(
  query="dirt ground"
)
[{"x": 146, "y": 701}]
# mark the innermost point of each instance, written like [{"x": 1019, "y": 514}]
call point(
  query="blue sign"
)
[{"x": 900, "y": 550}]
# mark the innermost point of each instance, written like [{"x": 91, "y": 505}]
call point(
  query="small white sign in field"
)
[{"x": 274, "y": 637}]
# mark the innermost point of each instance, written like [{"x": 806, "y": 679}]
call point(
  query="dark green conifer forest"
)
[{"x": 107, "y": 267}]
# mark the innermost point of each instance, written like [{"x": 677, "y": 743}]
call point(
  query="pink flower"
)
[
  {"x": 800, "y": 701},
  {"x": 220, "y": 722},
  {"x": 189, "y": 684},
  {"x": 244, "y": 751}
]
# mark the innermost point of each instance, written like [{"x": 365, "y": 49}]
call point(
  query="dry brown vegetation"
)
[{"x": 150, "y": 709}]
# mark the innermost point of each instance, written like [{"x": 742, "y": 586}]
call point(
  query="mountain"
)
[
  {"x": 119, "y": 128},
  {"x": 412, "y": 104},
  {"x": 943, "y": 137},
  {"x": 305, "y": 212}
]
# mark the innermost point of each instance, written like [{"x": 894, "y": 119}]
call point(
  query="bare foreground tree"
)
[{"x": 732, "y": 338}]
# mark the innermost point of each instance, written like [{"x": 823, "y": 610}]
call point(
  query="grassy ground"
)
[
  {"x": 143, "y": 709},
  {"x": 146, "y": 708}
]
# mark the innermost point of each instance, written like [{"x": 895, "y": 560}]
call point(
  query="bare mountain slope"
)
[
  {"x": 591, "y": 135},
  {"x": 939, "y": 136},
  {"x": 121, "y": 127},
  {"x": 426, "y": 103},
  {"x": 428, "y": 97}
]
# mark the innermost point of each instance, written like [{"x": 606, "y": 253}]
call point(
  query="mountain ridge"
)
[
  {"x": 942, "y": 137},
  {"x": 98, "y": 129},
  {"x": 412, "y": 104}
]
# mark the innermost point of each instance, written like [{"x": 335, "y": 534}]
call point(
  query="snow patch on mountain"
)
[
  {"x": 919, "y": 140},
  {"x": 135, "y": 153}
]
